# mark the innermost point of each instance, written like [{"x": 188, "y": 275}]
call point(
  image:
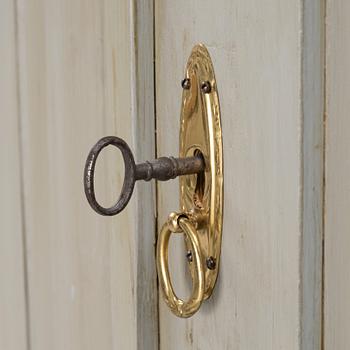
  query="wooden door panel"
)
[
  {"x": 89, "y": 285},
  {"x": 257, "y": 50},
  {"x": 74, "y": 71}
]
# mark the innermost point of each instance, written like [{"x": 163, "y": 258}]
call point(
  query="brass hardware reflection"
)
[
  {"x": 180, "y": 223},
  {"x": 201, "y": 194}
]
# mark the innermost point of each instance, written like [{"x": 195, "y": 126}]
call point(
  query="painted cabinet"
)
[{"x": 74, "y": 71}]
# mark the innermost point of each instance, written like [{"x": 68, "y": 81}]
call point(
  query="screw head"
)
[
  {"x": 211, "y": 263},
  {"x": 189, "y": 256},
  {"x": 206, "y": 87},
  {"x": 186, "y": 83}
]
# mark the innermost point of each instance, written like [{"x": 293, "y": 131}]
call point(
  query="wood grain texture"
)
[
  {"x": 13, "y": 334},
  {"x": 337, "y": 198},
  {"x": 267, "y": 275},
  {"x": 78, "y": 83}
]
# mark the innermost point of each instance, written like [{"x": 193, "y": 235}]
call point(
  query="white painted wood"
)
[
  {"x": 91, "y": 278},
  {"x": 270, "y": 283},
  {"x": 85, "y": 70},
  {"x": 12, "y": 278},
  {"x": 337, "y": 198}
]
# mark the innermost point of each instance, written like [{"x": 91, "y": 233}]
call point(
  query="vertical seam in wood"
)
[
  {"x": 141, "y": 82},
  {"x": 134, "y": 110},
  {"x": 302, "y": 171},
  {"x": 325, "y": 4},
  {"x": 22, "y": 186},
  {"x": 156, "y": 155},
  {"x": 312, "y": 176}
]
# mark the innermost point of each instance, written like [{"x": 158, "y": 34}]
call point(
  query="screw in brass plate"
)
[
  {"x": 186, "y": 83},
  {"x": 206, "y": 87},
  {"x": 189, "y": 256},
  {"x": 211, "y": 263}
]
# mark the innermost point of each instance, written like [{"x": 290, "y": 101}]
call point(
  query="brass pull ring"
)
[{"x": 179, "y": 307}]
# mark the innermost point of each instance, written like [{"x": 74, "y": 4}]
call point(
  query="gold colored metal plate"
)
[{"x": 200, "y": 131}]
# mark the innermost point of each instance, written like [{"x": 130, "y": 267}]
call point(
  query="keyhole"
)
[{"x": 200, "y": 183}]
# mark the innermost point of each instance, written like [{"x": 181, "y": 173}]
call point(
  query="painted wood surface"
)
[
  {"x": 313, "y": 39},
  {"x": 91, "y": 279},
  {"x": 74, "y": 71},
  {"x": 13, "y": 334},
  {"x": 337, "y": 198},
  {"x": 272, "y": 158}
]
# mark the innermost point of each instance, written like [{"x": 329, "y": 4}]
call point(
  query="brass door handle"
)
[
  {"x": 201, "y": 184},
  {"x": 181, "y": 223}
]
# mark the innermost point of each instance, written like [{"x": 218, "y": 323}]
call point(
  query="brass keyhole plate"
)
[{"x": 200, "y": 133}]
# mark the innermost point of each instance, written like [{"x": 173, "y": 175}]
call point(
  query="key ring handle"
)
[{"x": 129, "y": 175}]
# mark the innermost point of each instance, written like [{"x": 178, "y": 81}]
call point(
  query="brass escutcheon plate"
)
[{"x": 200, "y": 131}]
